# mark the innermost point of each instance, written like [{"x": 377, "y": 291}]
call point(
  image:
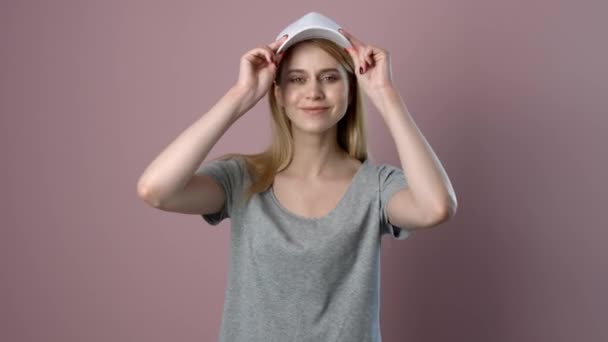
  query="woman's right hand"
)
[{"x": 258, "y": 69}]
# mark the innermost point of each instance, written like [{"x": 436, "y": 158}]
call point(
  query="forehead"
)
[{"x": 308, "y": 57}]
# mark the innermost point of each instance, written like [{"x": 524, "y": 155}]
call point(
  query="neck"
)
[{"x": 316, "y": 155}]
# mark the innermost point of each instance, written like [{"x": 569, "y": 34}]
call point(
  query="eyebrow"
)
[{"x": 304, "y": 71}]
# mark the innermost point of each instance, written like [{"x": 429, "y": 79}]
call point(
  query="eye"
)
[
  {"x": 296, "y": 79},
  {"x": 330, "y": 78}
]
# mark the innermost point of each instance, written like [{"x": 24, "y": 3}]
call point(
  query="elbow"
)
[
  {"x": 146, "y": 193},
  {"x": 443, "y": 213},
  {"x": 448, "y": 211}
]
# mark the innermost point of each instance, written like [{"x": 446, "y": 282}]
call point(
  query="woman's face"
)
[{"x": 313, "y": 78}]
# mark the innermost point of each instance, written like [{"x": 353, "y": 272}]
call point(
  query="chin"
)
[
  {"x": 309, "y": 126},
  {"x": 312, "y": 123}
]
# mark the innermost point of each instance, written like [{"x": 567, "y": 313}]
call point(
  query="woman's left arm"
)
[
  {"x": 427, "y": 179},
  {"x": 429, "y": 188}
]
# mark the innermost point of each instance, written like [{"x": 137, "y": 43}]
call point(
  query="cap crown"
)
[{"x": 312, "y": 25}]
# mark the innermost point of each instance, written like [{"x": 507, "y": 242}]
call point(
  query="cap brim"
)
[{"x": 315, "y": 32}]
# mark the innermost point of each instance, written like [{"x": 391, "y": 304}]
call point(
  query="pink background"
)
[{"x": 511, "y": 95}]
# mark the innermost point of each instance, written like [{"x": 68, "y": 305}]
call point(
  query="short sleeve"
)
[
  {"x": 392, "y": 179},
  {"x": 229, "y": 175}
]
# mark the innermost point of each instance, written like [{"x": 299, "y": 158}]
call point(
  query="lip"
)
[{"x": 314, "y": 110}]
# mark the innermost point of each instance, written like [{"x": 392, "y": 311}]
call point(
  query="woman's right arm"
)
[
  {"x": 169, "y": 182},
  {"x": 174, "y": 167}
]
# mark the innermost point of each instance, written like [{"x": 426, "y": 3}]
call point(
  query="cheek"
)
[
  {"x": 341, "y": 93},
  {"x": 292, "y": 98},
  {"x": 341, "y": 89},
  {"x": 337, "y": 92}
]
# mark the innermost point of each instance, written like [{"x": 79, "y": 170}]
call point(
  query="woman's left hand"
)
[{"x": 372, "y": 66}]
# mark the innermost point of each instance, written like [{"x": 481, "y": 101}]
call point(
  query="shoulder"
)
[
  {"x": 385, "y": 170},
  {"x": 380, "y": 168},
  {"x": 230, "y": 167},
  {"x": 353, "y": 165},
  {"x": 385, "y": 175}
]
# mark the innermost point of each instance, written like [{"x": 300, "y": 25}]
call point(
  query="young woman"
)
[{"x": 307, "y": 214}]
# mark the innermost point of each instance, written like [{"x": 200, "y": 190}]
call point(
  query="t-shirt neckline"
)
[{"x": 332, "y": 212}]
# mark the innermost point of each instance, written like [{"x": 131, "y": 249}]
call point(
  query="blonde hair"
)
[{"x": 351, "y": 128}]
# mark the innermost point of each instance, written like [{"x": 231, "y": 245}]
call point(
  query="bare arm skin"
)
[
  {"x": 169, "y": 182},
  {"x": 174, "y": 167}
]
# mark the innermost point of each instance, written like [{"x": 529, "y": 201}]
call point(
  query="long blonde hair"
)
[{"x": 351, "y": 135}]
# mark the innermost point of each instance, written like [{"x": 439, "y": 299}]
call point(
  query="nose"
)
[{"x": 314, "y": 90}]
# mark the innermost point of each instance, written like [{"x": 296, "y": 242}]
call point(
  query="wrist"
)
[
  {"x": 241, "y": 97},
  {"x": 382, "y": 97}
]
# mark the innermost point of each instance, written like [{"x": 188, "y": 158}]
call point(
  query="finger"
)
[
  {"x": 356, "y": 57},
  {"x": 260, "y": 54},
  {"x": 368, "y": 57},
  {"x": 279, "y": 57},
  {"x": 357, "y": 44},
  {"x": 267, "y": 53},
  {"x": 277, "y": 43}
]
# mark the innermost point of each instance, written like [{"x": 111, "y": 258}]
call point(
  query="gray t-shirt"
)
[{"x": 298, "y": 279}]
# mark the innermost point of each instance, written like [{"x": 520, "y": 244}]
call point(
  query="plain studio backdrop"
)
[{"x": 511, "y": 96}]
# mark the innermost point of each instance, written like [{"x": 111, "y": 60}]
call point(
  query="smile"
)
[{"x": 315, "y": 110}]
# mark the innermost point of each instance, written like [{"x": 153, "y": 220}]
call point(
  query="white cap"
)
[{"x": 312, "y": 25}]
